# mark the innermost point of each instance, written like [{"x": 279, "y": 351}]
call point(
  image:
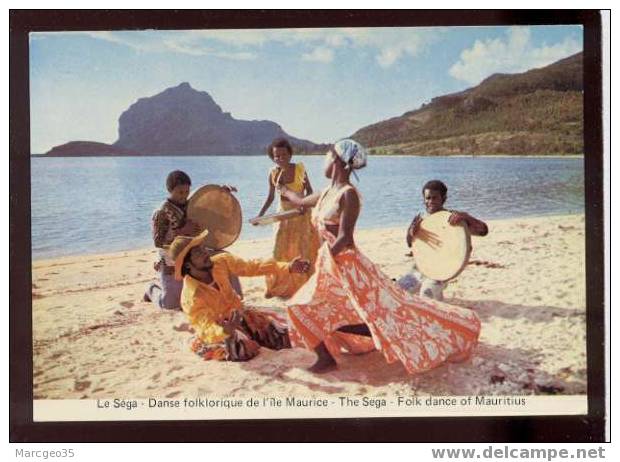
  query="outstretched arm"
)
[
  {"x": 258, "y": 267},
  {"x": 350, "y": 204},
  {"x": 308, "y": 201},
  {"x": 476, "y": 227}
]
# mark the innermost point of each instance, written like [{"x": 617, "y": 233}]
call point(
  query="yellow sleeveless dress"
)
[{"x": 293, "y": 237}]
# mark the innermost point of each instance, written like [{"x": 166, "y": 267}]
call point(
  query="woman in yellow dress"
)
[{"x": 295, "y": 237}]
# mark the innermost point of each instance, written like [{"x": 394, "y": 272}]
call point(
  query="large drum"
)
[
  {"x": 216, "y": 209},
  {"x": 441, "y": 250}
]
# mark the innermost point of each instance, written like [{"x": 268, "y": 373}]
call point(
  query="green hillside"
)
[{"x": 537, "y": 112}]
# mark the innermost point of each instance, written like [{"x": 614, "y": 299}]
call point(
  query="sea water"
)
[{"x": 97, "y": 204}]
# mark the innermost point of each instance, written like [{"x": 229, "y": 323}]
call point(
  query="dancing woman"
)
[{"x": 350, "y": 304}]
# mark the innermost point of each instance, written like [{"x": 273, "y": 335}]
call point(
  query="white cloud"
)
[
  {"x": 320, "y": 54},
  {"x": 393, "y": 44},
  {"x": 391, "y": 53},
  {"x": 196, "y": 49},
  {"x": 108, "y": 36},
  {"x": 515, "y": 53},
  {"x": 388, "y": 45},
  {"x": 151, "y": 41}
]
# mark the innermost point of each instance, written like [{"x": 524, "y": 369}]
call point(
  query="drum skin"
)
[
  {"x": 215, "y": 208},
  {"x": 441, "y": 250}
]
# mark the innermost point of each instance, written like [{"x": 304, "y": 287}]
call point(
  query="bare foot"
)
[{"x": 323, "y": 365}]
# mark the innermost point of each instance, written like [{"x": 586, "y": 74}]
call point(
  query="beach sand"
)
[{"x": 93, "y": 337}]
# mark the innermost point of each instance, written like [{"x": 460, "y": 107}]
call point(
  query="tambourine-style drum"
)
[
  {"x": 441, "y": 250},
  {"x": 216, "y": 209},
  {"x": 275, "y": 217}
]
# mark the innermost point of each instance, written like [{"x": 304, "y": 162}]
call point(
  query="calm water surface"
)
[{"x": 93, "y": 205}]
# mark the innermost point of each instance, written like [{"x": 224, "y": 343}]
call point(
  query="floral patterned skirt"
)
[{"x": 349, "y": 289}]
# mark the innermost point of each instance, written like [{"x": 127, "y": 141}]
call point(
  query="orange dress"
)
[
  {"x": 293, "y": 237},
  {"x": 349, "y": 289}
]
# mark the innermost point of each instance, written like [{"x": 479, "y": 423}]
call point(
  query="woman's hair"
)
[
  {"x": 436, "y": 185},
  {"x": 177, "y": 178},
  {"x": 279, "y": 143}
]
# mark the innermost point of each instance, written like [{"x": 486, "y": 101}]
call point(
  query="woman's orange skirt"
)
[{"x": 349, "y": 289}]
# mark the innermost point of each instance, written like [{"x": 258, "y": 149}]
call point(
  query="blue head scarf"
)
[{"x": 351, "y": 153}]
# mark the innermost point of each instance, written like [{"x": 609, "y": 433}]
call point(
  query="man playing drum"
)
[{"x": 435, "y": 193}]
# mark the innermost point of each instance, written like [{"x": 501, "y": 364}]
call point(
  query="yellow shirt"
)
[
  {"x": 205, "y": 305},
  {"x": 297, "y": 184}
]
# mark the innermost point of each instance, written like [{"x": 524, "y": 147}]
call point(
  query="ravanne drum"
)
[
  {"x": 275, "y": 217},
  {"x": 441, "y": 250},
  {"x": 216, "y": 209}
]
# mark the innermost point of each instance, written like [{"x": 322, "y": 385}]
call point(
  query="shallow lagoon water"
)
[{"x": 96, "y": 204}]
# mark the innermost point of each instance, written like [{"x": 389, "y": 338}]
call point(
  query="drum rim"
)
[
  {"x": 467, "y": 251},
  {"x": 239, "y": 215}
]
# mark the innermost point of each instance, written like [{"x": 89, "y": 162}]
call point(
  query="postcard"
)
[{"x": 325, "y": 221}]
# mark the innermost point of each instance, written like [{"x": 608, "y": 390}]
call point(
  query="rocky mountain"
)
[
  {"x": 184, "y": 121},
  {"x": 535, "y": 112}
]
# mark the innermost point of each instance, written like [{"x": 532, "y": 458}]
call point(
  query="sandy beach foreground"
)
[{"x": 93, "y": 337}]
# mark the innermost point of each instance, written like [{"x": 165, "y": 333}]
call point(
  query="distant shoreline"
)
[{"x": 544, "y": 156}]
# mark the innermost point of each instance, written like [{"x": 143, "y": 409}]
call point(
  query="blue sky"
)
[{"x": 318, "y": 84}]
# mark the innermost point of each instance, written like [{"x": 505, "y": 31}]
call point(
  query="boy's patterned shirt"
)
[{"x": 168, "y": 217}]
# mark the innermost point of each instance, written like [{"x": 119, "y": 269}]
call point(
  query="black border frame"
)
[{"x": 22, "y": 429}]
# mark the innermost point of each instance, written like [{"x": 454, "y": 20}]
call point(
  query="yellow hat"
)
[{"x": 180, "y": 247}]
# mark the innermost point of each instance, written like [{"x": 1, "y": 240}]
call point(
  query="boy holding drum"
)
[
  {"x": 435, "y": 194},
  {"x": 168, "y": 221}
]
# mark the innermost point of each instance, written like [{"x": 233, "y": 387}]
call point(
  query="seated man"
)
[
  {"x": 435, "y": 194},
  {"x": 226, "y": 330}
]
